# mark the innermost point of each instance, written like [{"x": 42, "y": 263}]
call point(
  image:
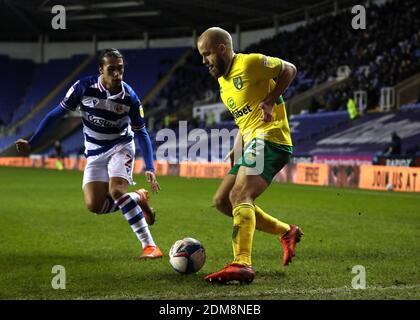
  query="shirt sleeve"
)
[
  {"x": 47, "y": 124},
  {"x": 137, "y": 114},
  {"x": 146, "y": 148},
  {"x": 139, "y": 127},
  {"x": 263, "y": 67},
  {"x": 73, "y": 97}
]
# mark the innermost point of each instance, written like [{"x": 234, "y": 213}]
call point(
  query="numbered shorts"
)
[
  {"x": 264, "y": 158},
  {"x": 116, "y": 162}
]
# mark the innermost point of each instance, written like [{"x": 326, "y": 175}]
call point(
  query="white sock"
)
[{"x": 134, "y": 216}]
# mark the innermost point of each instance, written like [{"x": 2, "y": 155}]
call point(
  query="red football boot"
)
[
  {"x": 151, "y": 252},
  {"x": 149, "y": 213},
  {"x": 288, "y": 242},
  {"x": 232, "y": 272}
]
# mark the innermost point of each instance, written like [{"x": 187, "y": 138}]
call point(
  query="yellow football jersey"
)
[{"x": 248, "y": 83}]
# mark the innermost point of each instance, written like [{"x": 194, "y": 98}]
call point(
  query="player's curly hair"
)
[{"x": 110, "y": 52}]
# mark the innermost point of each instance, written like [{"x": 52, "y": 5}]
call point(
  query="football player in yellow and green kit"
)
[{"x": 255, "y": 100}]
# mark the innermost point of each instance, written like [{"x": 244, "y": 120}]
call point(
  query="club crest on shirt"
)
[
  {"x": 119, "y": 108},
  {"x": 237, "y": 82}
]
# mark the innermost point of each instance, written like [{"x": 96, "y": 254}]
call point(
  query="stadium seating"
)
[
  {"x": 143, "y": 70},
  {"x": 367, "y": 135},
  {"x": 411, "y": 106},
  {"x": 308, "y": 126},
  {"x": 303, "y": 128},
  {"x": 72, "y": 144},
  {"x": 190, "y": 83},
  {"x": 145, "y": 67},
  {"x": 382, "y": 55},
  {"x": 377, "y": 57},
  {"x": 333, "y": 133},
  {"x": 17, "y": 76},
  {"x": 44, "y": 80},
  {"x": 387, "y": 50}
]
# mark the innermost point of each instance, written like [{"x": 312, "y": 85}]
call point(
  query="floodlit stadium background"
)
[{"x": 376, "y": 69}]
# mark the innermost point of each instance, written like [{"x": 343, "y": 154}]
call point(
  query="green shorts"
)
[{"x": 267, "y": 163}]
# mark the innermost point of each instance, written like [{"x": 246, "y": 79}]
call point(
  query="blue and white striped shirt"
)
[{"x": 108, "y": 119}]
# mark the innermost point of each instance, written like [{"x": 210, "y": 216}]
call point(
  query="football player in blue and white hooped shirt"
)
[{"x": 112, "y": 115}]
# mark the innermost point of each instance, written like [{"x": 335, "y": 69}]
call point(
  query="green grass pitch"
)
[{"x": 43, "y": 222}]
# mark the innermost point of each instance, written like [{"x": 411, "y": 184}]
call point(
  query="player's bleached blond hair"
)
[{"x": 217, "y": 36}]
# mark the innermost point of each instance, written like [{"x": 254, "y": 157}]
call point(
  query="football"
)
[{"x": 187, "y": 256}]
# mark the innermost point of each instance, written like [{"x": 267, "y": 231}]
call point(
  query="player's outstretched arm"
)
[
  {"x": 284, "y": 79},
  {"x": 145, "y": 144},
  {"x": 46, "y": 124}
]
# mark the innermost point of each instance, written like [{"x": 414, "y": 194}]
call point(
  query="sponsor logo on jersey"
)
[
  {"x": 239, "y": 113},
  {"x": 231, "y": 103},
  {"x": 101, "y": 122}
]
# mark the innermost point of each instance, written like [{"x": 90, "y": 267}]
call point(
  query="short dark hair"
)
[{"x": 110, "y": 52}]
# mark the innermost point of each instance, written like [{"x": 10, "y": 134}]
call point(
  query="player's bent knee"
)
[
  {"x": 116, "y": 193},
  {"x": 218, "y": 202},
  {"x": 223, "y": 205},
  {"x": 94, "y": 207}
]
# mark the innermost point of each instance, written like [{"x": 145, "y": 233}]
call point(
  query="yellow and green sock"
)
[
  {"x": 243, "y": 233},
  {"x": 269, "y": 224}
]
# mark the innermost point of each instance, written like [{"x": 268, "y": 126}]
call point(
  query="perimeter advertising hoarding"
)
[
  {"x": 344, "y": 176},
  {"x": 404, "y": 179},
  {"x": 203, "y": 170},
  {"x": 311, "y": 173}
]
